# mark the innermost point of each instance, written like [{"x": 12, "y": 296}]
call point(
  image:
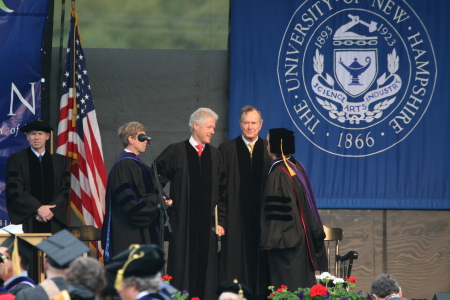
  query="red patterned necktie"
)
[{"x": 200, "y": 149}]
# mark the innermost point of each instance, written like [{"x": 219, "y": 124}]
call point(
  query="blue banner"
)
[
  {"x": 22, "y": 24},
  {"x": 362, "y": 83}
]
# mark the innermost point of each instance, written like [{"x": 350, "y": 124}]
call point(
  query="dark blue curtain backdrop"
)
[
  {"x": 22, "y": 25},
  {"x": 364, "y": 84}
]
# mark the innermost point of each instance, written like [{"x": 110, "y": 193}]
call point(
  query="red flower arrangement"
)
[
  {"x": 166, "y": 278},
  {"x": 318, "y": 290},
  {"x": 352, "y": 279},
  {"x": 341, "y": 290}
]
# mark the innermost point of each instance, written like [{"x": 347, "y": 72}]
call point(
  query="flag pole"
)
[
  {"x": 74, "y": 67},
  {"x": 74, "y": 95}
]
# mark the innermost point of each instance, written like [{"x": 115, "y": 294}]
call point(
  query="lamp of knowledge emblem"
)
[{"x": 355, "y": 79}]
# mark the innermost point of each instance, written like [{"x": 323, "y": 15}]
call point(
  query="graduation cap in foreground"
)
[
  {"x": 37, "y": 125},
  {"x": 138, "y": 260},
  {"x": 16, "y": 247},
  {"x": 61, "y": 248},
  {"x": 236, "y": 288}
]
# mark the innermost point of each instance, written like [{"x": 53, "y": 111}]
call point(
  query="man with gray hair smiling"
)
[{"x": 195, "y": 171}]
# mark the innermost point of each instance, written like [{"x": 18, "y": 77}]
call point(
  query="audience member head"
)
[
  {"x": 86, "y": 272},
  {"x": 231, "y": 291},
  {"x": 137, "y": 270},
  {"x": 130, "y": 129},
  {"x": 385, "y": 285},
  {"x": 17, "y": 259},
  {"x": 251, "y": 122}
]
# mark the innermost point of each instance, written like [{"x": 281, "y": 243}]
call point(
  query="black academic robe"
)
[
  {"x": 39, "y": 293},
  {"x": 296, "y": 254},
  {"x": 18, "y": 284},
  {"x": 197, "y": 184},
  {"x": 240, "y": 257},
  {"x": 22, "y": 204},
  {"x": 131, "y": 206}
]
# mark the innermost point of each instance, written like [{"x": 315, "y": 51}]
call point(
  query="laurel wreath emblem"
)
[{"x": 353, "y": 118}]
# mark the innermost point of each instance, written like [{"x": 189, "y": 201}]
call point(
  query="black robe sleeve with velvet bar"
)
[
  {"x": 289, "y": 226},
  {"x": 197, "y": 185},
  {"x": 131, "y": 208},
  {"x": 22, "y": 204},
  {"x": 240, "y": 257}
]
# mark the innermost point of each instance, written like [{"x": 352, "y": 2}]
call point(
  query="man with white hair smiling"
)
[{"x": 194, "y": 169}]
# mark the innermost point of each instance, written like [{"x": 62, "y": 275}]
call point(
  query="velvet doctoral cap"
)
[
  {"x": 281, "y": 139},
  {"x": 234, "y": 287},
  {"x": 37, "y": 125},
  {"x": 138, "y": 261},
  {"x": 61, "y": 248}
]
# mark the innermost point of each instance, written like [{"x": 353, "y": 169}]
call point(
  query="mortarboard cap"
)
[
  {"x": 281, "y": 135},
  {"x": 235, "y": 288},
  {"x": 61, "y": 248},
  {"x": 37, "y": 125},
  {"x": 138, "y": 260}
]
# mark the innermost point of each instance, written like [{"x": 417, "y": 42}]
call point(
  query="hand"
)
[
  {"x": 39, "y": 219},
  {"x": 45, "y": 213},
  {"x": 168, "y": 202},
  {"x": 220, "y": 230}
]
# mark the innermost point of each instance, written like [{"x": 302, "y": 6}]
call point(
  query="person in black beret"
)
[
  {"x": 16, "y": 254},
  {"x": 61, "y": 249},
  {"x": 138, "y": 274},
  {"x": 233, "y": 291},
  {"x": 37, "y": 184},
  {"x": 291, "y": 228}
]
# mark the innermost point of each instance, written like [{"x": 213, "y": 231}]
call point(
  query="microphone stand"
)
[{"x": 161, "y": 205}]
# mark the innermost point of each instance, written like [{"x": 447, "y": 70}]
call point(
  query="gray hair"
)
[
  {"x": 201, "y": 115},
  {"x": 150, "y": 284},
  {"x": 87, "y": 272},
  {"x": 385, "y": 285},
  {"x": 248, "y": 108}
]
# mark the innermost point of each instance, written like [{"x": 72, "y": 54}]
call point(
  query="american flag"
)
[{"x": 79, "y": 136}]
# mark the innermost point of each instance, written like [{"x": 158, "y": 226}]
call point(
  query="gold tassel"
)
[
  {"x": 284, "y": 159},
  {"x": 119, "y": 280},
  {"x": 15, "y": 259},
  {"x": 118, "y": 284},
  {"x": 241, "y": 292}
]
